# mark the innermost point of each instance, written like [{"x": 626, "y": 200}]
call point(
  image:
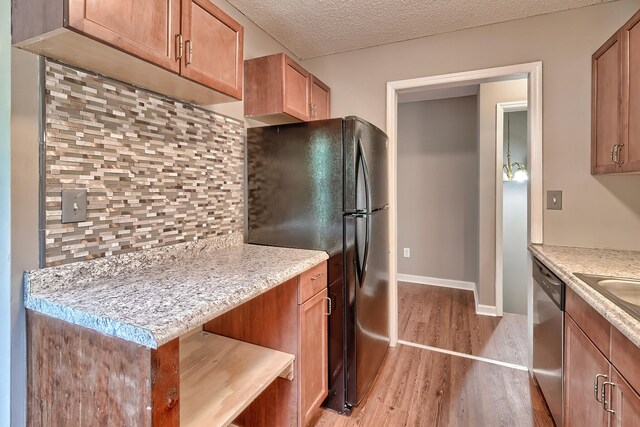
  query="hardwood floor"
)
[
  {"x": 446, "y": 318},
  {"x": 419, "y": 387}
]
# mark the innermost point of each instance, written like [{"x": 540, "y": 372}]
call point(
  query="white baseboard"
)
[
  {"x": 486, "y": 310},
  {"x": 481, "y": 309},
  {"x": 434, "y": 281}
]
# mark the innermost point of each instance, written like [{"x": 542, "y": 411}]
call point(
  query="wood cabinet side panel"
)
[
  {"x": 582, "y": 361},
  {"x": 314, "y": 356},
  {"x": 606, "y": 102},
  {"x": 33, "y": 18},
  {"x": 625, "y": 356},
  {"x": 595, "y": 326},
  {"x": 77, "y": 376},
  {"x": 631, "y": 94},
  {"x": 269, "y": 320},
  {"x": 165, "y": 385},
  {"x": 263, "y": 85}
]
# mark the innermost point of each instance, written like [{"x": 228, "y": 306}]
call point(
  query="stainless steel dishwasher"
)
[{"x": 548, "y": 336}]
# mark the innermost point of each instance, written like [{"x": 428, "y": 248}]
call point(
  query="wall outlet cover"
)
[
  {"x": 554, "y": 200},
  {"x": 74, "y": 206},
  {"x": 407, "y": 252}
]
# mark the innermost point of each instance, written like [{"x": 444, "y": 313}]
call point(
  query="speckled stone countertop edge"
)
[
  {"x": 181, "y": 325},
  {"x": 619, "y": 318}
]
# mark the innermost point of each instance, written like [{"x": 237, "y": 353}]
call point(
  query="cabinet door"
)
[
  {"x": 320, "y": 100},
  {"x": 146, "y": 29},
  {"x": 582, "y": 362},
  {"x": 313, "y": 356},
  {"x": 297, "y": 82},
  {"x": 606, "y": 100},
  {"x": 631, "y": 94},
  {"x": 625, "y": 402},
  {"x": 213, "y": 47}
]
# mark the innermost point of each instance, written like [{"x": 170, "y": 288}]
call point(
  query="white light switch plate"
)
[{"x": 407, "y": 252}]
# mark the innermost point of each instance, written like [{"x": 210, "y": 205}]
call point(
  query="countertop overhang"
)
[
  {"x": 565, "y": 261},
  {"x": 153, "y": 296}
]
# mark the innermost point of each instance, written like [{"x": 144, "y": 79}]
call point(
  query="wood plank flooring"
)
[
  {"x": 446, "y": 318},
  {"x": 418, "y": 387}
]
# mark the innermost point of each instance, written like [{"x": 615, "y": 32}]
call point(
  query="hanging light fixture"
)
[{"x": 512, "y": 171}]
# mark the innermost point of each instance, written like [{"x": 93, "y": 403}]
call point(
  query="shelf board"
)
[{"x": 220, "y": 377}]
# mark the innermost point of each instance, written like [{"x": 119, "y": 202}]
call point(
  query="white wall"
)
[
  {"x": 514, "y": 246},
  {"x": 489, "y": 96},
  {"x": 5, "y": 212},
  {"x": 597, "y": 211},
  {"x": 437, "y": 190}
]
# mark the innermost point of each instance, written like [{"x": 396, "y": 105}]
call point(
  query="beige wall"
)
[
  {"x": 602, "y": 211},
  {"x": 489, "y": 96},
  {"x": 437, "y": 190},
  {"x": 256, "y": 43}
]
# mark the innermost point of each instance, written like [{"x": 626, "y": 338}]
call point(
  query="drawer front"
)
[
  {"x": 312, "y": 281},
  {"x": 596, "y": 327},
  {"x": 625, "y": 356}
]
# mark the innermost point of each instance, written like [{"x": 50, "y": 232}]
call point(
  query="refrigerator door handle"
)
[
  {"x": 365, "y": 169},
  {"x": 361, "y": 267}
]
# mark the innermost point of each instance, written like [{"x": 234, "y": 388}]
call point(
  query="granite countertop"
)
[
  {"x": 564, "y": 261},
  {"x": 153, "y": 296}
]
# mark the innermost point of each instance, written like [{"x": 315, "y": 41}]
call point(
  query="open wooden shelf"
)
[{"x": 220, "y": 377}]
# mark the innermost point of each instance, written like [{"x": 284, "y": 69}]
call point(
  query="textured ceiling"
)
[{"x": 311, "y": 28}]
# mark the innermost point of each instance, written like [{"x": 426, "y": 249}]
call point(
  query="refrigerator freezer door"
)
[
  {"x": 367, "y": 302},
  {"x": 293, "y": 172},
  {"x": 365, "y": 170}
]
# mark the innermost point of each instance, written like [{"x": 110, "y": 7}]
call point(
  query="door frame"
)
[
  {"x": 533, "y": 72},
  {"x": 501, "y": 109}
]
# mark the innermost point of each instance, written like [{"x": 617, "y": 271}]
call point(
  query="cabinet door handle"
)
[
  {"x": 179, "y": 46},
  {"x": 618, "y": 157},
  {"x": 596, "y": 387},
  {"x": 330, "y": 308},
  {"x": 317, "y": 276},
  {"x": 189, "y": 51},
  {"x": 606, "y": 404}
]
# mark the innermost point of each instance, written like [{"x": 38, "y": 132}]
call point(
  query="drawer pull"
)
[
  {"x": 330, "y": 308},
  {"x": 317, "y": 276},
  {"x": 596, "y": 387},
  {"x": 606, "y": 403}
]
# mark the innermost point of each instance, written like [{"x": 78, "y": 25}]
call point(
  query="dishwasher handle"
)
[{"x": 549, "y": 283}]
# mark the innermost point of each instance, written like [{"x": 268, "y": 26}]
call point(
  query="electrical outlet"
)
[
  {"x": 74, "y": 206},
  {"x": 554, "y": 200},
  {"x": 407, "y": 252}
]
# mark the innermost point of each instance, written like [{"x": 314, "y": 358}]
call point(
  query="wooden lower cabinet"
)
[
  {"x": 595, "y": 391},
  {"x": 313, "y": 356},
  {"x": 290, "y": 319},
  {"x": 625, "y": 402},
  {"x": 582, "y": 362}
]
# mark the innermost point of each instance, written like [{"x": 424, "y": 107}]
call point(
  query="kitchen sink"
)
[{"x": 623, "y": 292}]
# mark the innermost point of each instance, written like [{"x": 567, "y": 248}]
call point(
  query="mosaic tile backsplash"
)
[{"x": 156, "y": 171}]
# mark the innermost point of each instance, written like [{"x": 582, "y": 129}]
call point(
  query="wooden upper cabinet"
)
[
  {"x": 320, "y": 100},
  {"x": 630, "y": 35},
  {"x": 606, "y": 106},
  {"x": 615, "y": 135},
  {"x": 582, "y": 362},
  {"x": 144, "y": 29},
  {"x": 278, "y": 90},
  {"x": 213, "y": 47},
  {"x": 186, "y": 49},
  {"x": 296, "y": 89}
]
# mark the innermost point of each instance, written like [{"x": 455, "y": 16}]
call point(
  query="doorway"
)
[{"x": 533, "y": 73}]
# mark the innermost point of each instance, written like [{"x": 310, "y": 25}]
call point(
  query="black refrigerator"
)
[{"x": 323, "y": 185}]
